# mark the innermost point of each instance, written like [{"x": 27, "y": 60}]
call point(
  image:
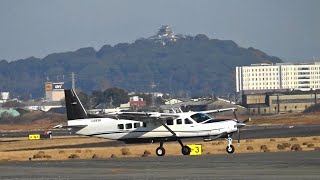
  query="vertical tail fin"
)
[{"x": 74, "y": 107}]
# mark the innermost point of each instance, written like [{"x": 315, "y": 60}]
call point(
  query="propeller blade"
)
[
  {"x": 238, "y": 135},
  {"x": 240, "y": 125},
  {"x": 235, "y": 116}
]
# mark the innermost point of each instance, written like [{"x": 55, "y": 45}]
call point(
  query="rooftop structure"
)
[{"x": 164, "y": 35}]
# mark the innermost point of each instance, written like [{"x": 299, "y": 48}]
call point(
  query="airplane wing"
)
[
  {"x": 144, "y": 116},
  {"x": 218, "y": 110}
]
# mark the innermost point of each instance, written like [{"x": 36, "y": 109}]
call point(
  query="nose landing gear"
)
[{"x": 230, "y": 148}]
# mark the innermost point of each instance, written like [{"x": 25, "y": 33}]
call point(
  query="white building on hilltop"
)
[
  {"x": 278, "y": 76},
  {"x": 164, "y": 35}
]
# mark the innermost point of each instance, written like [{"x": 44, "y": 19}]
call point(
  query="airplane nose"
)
[{"x": 240, "y": 125}]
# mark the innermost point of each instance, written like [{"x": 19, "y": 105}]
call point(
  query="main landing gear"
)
[
  {"x": 185, "y": 150},
  {"x": 160, "y": 151},
  {"x": 230, "y": 148}
]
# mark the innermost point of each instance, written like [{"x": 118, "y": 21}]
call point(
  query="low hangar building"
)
[{"x": 280, "y": 102}]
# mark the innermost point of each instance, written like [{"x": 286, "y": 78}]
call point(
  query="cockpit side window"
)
[
  {"x": 200, "y": 117},
  {"x": 187, "y": 121}
]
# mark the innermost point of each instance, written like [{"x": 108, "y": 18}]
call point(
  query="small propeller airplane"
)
[{"x": 133, "y": 127}]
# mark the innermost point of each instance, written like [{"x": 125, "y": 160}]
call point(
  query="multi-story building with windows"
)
[{"x": 278, "y": 76}]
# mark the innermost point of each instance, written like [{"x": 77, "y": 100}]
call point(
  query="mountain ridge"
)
[{"x": 190, "y": 66}]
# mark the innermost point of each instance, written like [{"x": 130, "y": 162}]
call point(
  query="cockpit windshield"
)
[{"x": 200, "y": 117}]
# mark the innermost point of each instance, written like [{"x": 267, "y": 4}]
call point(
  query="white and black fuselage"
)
[{"x": 126, "y": 130}]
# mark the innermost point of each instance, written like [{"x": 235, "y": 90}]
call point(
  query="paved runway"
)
[
  {"x": 282, "y": 165},
  {"x": 249, "y": 132},
  {"x": 258, "y": 132}
]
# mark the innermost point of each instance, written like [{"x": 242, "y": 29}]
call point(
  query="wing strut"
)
[
  {"x": 163, "y": 124},
  {"x": 160, "y": 151},
  {"x": 173, "y": 133}
]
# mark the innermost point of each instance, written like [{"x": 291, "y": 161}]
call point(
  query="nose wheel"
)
[{"x": 230, "y": 148}]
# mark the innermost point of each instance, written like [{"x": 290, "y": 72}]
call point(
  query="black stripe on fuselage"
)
[{"x": 140, "y": 131}]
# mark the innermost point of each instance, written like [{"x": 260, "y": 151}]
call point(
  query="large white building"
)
[{"x": 278, "y": 76}]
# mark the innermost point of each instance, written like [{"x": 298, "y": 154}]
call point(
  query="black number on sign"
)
[{"x": 197, "y": 150}]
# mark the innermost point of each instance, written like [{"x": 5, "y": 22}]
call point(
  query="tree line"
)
[{"x": 191, "y": 66}]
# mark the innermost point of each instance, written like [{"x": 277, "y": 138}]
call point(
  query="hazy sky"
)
[{"x": 289, "y": 29}]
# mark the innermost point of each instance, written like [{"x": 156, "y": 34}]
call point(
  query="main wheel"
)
[
  {"x": 160, "y": 151},
  {"x": 230, "y": 149},
  {"x": 185, "y": 150}
]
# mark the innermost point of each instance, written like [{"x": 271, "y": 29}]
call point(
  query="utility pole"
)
[{"x": 73, "y": 81}]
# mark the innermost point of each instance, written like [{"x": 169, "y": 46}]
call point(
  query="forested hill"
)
[{"x": 191, "y": 65}]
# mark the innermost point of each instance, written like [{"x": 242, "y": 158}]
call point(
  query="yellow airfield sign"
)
[
  {"x": 34, "y": 136},
  {"x": 196, "y": 149}
]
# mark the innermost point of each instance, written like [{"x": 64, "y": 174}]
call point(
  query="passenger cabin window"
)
[
  {"x": 179, "y": 121},
  {"x": 169, "y": 121},
  {"x": 144, "y": 124},
  {"x": 200, "y": 117},
  {"x": 136, "y": 125},
  {"x": 187, "y": 121},
  {"x": 128, "y": 126},
  {"x": 120, "y": 126}
]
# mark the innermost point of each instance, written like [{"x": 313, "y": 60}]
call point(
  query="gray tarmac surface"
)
[
  {"x": 259, "y": 132},
  {"x": 249, "y": 132},
  {"x": 282, "y": 165}
]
